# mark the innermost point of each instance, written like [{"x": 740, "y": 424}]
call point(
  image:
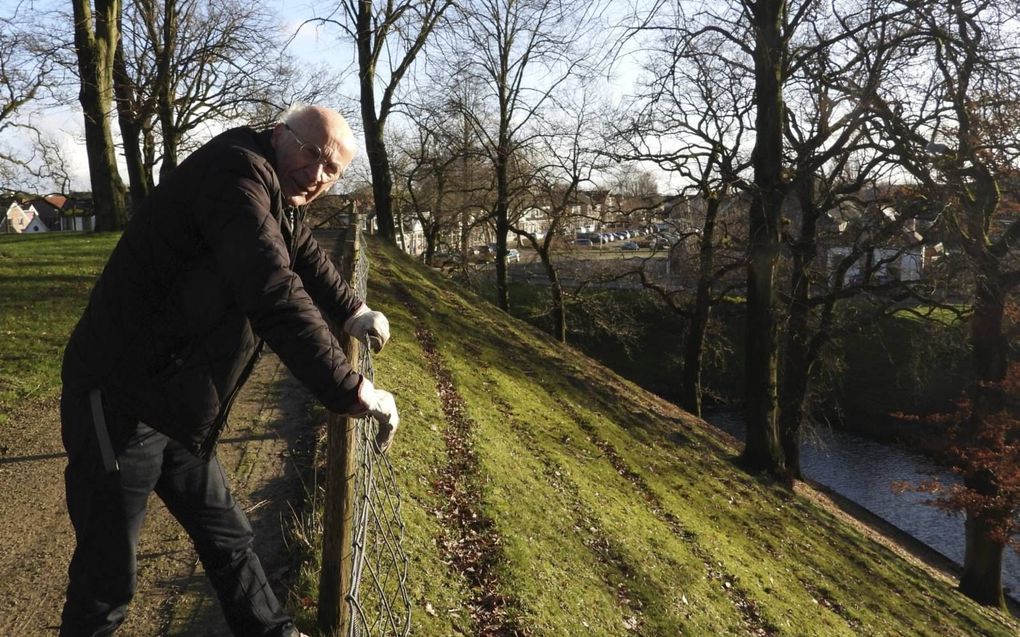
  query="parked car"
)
[
  {"x": 630, "y": 245},
  {"x": 582, "y": 242},
  {"x": 513, "y": 255}
]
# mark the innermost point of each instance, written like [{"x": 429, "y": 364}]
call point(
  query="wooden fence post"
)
[{"x": 334, "y": 616}]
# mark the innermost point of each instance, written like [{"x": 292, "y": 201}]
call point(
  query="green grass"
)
[
  {"x": 615, "y": 509},
  {"x": 44, "y": 285},
  {"x": 946, "y": 316}
]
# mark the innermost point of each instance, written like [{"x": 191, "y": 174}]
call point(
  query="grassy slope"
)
[
  {"x": 614, "y": 509},
  {"x": 44, "y": 284}
]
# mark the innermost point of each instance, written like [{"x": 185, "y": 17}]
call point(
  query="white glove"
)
[
  {"x": 370, "y": 327},
  {"x": 379, "y": 404}
]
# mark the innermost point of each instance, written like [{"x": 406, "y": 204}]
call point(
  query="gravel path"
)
[{"x": 268, "y": 441}]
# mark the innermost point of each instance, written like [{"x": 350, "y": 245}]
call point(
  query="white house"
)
[
  {"x": 412, "y": 237},
  {"x": 534, "y": 221},
  {"x": 35, "y": 225},
  {"x": 20, "y": 220}
]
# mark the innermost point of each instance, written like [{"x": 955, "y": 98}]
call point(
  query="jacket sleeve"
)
[
  {"x": 233, "y": 213},
  {"x": 331, "y": 293}
]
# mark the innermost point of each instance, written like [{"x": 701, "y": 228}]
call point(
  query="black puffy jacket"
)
[{"x": 208, "y": 266}]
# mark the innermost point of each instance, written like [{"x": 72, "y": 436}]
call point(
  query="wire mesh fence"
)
[
  {"x": 375, "y": 600},
  {"x": 379, "y": 598}
]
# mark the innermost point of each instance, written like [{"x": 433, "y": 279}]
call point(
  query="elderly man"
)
[{"x": 215, "y": 263}]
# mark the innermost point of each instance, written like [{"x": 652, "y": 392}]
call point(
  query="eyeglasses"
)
[{"x": 313, "y": 155}]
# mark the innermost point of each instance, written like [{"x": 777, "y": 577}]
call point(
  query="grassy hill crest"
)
[{"x": 545, "y": 495}]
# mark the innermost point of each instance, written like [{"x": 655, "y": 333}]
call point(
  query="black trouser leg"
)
[
  {"x": 197, "y": 494},
  {"x": 106, "y": 510}
]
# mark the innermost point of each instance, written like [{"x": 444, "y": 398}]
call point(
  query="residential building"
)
[
  {"x": 28, "y": 213},
  {"x": 50, "y": 209},
  {"x": 24, "y": 220}
]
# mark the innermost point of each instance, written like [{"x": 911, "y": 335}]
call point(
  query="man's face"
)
[{"x": 310, "y": 157}]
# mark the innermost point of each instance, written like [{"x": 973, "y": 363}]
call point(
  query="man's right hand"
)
[{"x": 379, "y": 404}]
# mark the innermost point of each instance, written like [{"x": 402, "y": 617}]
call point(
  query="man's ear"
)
[{"x": 277, "y": 131}]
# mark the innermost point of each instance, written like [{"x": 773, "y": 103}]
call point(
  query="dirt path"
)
[{"x": 266, "y": 443}]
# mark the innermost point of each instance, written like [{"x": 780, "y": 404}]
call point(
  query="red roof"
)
[{"x": 56, "y": 200}]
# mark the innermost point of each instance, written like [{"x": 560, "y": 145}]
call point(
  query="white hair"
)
[{"x": 294, "y": 112}]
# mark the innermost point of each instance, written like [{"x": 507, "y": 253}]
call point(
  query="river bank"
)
[{"x": 861, "y": 471}]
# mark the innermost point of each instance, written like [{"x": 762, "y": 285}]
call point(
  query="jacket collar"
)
[{"x": 264, "y": 139}]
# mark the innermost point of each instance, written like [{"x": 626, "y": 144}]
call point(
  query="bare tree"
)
[
  {"x": 26, "y": 71},
  {"x": 429, "y": 176},
  {"x": 185, "y": 64},
  {"x": 951, "y": 121},
  {"x": 806, "y": 71},
  {"x": 520, "y": 52},
  {"x": 631, "y": 180},
  {"x": 692, "y": 118},
  {"x": 835, "y": 196},
  {"x": 765, "y": 42},
  {"x": 392, "y": 33},
  {"x": 448, "y": 180},
  {"x": 135, "y": 110},
  {"x": 759, "y": 32},
  {"x": 564, "y": 159}
]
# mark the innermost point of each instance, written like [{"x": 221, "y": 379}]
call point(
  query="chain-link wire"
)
[{"x": 378, "y": 598}]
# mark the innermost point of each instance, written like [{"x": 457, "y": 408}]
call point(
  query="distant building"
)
[
  {"x": 24, "y": 220},
  {"x": 50, "y": 209},
  {"x": 842, "y": 231},
  {"x": 534, "y": 220},
  {"x": 411, "y": 237},
  {"x": 24, "y": 213}
]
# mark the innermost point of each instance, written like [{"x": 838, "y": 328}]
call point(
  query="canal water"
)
[{"x": 864, "y": 471}]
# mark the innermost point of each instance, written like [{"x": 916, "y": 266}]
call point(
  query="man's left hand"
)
[{"x": 370, "y": 327}]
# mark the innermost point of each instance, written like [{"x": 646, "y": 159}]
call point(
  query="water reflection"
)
[{"x": 863, "y": 471}]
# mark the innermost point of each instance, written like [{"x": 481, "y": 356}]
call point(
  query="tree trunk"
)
[
  {"x": 165, "y": 89},
  {"x": 502, "y": 228},
  {"x": 96, "y": 45},
  {"x": 762, "y": 450},
  {"x": 799, "y": 359},
  {"x": 796, "y": 378},
  {"x": 382, "y": 180},
  {"x": 431, "y": 236},
  {"x": 982, "y": 563},
  {"x": 981, "y": 579},
  {"x": 139, "y": 180},
  {"x": 694, "y": 348},
  {"x": 378, "y": 160},
  {"x": 559, "y": 311},
  {"x": 169, "y": 162}
]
